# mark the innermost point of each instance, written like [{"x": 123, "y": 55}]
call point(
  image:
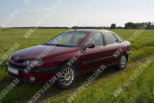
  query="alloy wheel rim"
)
[
  {"x": 67, "y": 76},
  {"x": 123, "y": 61}
]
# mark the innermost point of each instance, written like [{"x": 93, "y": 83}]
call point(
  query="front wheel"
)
[
  {"x": 67, "y": 78},
  {"x": 122, "y": 62}
]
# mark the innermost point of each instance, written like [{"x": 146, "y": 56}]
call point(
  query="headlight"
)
[
  {"x": 33, "y": 62},
  {"x": 27, "y": 62}
]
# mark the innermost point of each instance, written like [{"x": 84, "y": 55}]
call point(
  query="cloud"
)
[
  {"x": 46, "y": 9},
  {"x": 39, "y": 10},
  {"x": 29, "y": 11}
]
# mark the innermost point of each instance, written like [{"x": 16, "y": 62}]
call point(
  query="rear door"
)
[{"x": 112, "y": 45}]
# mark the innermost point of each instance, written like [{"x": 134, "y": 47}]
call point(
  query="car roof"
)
[{"x": 91, "y": 30}]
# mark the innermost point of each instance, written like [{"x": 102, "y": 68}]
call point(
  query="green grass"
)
[
  {"x": 140, "y": 91},
  {"x": 101, "y": 91}
]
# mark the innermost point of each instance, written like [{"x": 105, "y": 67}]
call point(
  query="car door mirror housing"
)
[
  {"x": 90, "y": 45},
  {"x": 118, "y": 41}
]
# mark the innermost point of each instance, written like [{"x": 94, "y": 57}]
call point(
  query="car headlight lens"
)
[{"x": 33, "y": 62}]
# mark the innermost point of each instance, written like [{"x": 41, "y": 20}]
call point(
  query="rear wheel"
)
[
  {"x": 67, "y": 78},
  {"x": 122, "y": 62}
]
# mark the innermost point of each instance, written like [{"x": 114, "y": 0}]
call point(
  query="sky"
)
[{"x": 20, "y": 13}]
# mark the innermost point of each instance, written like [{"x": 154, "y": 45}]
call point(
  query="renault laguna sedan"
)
[{"x": 97, "y": 47}]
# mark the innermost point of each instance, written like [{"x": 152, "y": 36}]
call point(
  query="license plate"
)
[{"x": 14, "y": 71}]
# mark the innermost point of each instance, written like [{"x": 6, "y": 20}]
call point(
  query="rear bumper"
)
[{"x": 40, "y": 75}]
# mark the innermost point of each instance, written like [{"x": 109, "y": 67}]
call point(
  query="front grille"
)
[
  {"x": 16, "y": 65},
  {"x": 18, "y": 61}
]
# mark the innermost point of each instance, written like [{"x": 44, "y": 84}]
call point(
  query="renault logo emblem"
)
[{"x": 17, "y": 58}]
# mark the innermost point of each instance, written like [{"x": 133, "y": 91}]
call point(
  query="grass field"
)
[{"x": 102, "y": 89}]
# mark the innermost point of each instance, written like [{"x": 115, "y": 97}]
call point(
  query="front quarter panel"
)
[
  {"x": 127, "y": 46},
  {"x": 56, "y": 61}
]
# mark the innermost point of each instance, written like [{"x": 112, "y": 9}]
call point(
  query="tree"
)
[
  {"x": 128, "y": 25},
  {"x": 113, "y": 26},
  {"x": 131, "y": 25}
]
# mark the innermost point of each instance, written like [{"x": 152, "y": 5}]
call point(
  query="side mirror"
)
[
  {"x": 90, "y": 45},
  {"x": 118, "y": 41}
]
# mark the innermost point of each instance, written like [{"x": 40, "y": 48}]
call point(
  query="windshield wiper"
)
[
  {"x": 59, "y": 45},
  {"x": 46, "y": 44}
]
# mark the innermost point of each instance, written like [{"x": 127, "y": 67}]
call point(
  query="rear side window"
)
[
  {"x": 119, "y": 38},
  {"x": 110, "y": 38},
  {"x": 96, "y": 39}
]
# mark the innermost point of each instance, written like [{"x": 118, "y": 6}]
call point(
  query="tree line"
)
[{"x": 129, "y": 25}]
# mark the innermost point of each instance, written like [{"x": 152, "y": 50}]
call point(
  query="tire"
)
[
  {"x": 68, "y": 76},
  {"x": 122, "y": 62}
]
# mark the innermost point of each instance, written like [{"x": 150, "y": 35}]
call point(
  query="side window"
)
[
  {"x": 110, "y": 38},
  {"x": 96, "y": 39},
  {"x": 119, "y": 38}
]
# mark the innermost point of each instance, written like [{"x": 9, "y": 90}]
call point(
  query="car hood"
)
[{"x": 41, "y": 52}]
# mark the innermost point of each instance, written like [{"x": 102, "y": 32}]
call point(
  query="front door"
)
[{"x": 92, "y": 57}]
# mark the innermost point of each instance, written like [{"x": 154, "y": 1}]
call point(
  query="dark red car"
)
[{"x": 72, "y": 53}]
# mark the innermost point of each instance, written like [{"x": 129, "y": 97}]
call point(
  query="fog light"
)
[{"x": 32, "y": 79}]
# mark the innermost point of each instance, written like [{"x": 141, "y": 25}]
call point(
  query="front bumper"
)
[
  {"x": 40, "y": 75},
  {"x": 129, "y": 54}
]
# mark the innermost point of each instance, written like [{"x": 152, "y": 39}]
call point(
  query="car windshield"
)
[{"x": 71, "y": 38}]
